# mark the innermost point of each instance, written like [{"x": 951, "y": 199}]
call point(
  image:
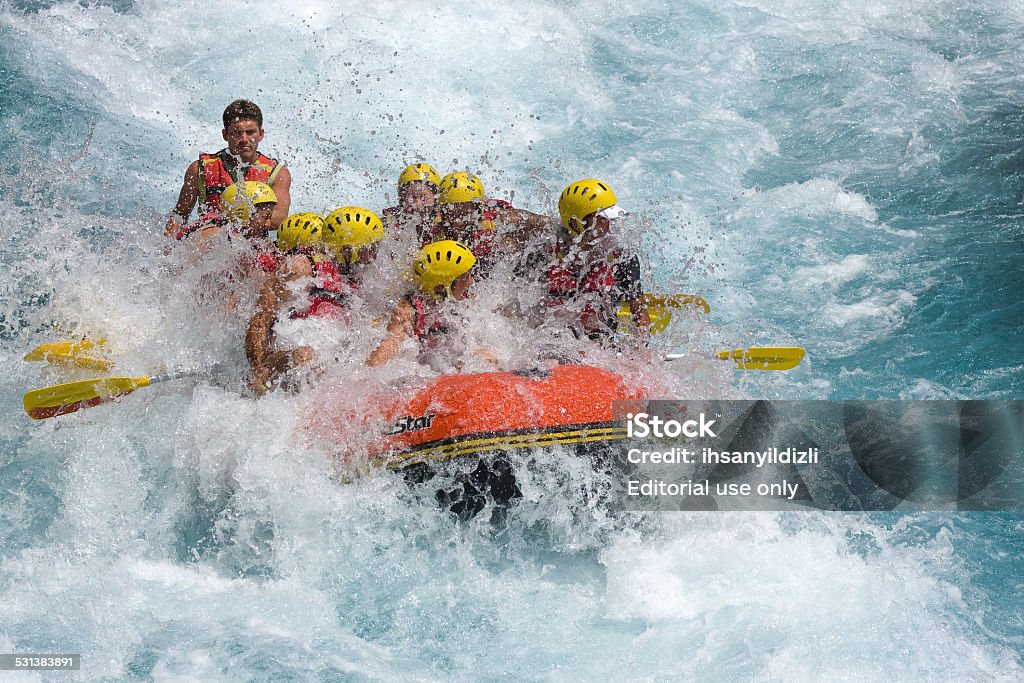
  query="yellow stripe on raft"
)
[{"x": 470, "y": 445}]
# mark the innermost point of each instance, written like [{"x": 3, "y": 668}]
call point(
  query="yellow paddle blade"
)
[
  {"x": 765, "y": 357},
  {"x": 84, "y": 353},
  {"x": 660, "y": 307},
  {"x": 67, "y": 398}
]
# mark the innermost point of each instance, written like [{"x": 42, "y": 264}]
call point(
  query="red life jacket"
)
[
  {"x": 330, "y": 289},
  {"x": 491, "y": 209},
  {"x": 482, "y": 241},
  {"x": 563, "y": 285},
  {"x": 221, "y": 169},
  {"x": 484, "y": 245},
  {"x": 427, "y": 320},
  {"x": 268, "y": 259},
  {"x": 186, "y": 229}
]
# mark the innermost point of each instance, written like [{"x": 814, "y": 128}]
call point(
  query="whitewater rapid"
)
[{"x": 843, "y": 178}]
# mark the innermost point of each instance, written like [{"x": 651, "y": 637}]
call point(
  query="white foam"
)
[
  {"x": 815, "y": 197},
  {"x": 836, "y": 274},
  {"x": 765, "y": 572},
  {"x": 890, "y": 308}
]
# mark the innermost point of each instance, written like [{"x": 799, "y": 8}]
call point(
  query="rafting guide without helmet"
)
[{"x": 207, "y": 178}]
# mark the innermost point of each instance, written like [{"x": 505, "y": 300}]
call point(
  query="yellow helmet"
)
[
  {"x": 583, "y": 198},
  {"x": 239, "y": 207},
  {"x": 299, "y": 230},
  {"x": 460, "y": 187},
  {"x": 415, "y": 172},
  {"x": 439, "y": 264},
  {"x": 353, "y": 227}
]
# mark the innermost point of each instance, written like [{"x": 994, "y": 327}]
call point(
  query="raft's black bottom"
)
[
  {"x": 467, "y": 493},
  {"x": 493, "y": 480}
]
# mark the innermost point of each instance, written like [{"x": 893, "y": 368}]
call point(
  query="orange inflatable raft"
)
[{"x": 474, "y": 414}]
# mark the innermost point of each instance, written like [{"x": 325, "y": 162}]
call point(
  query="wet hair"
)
[{"x": 242, "y": 109}]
